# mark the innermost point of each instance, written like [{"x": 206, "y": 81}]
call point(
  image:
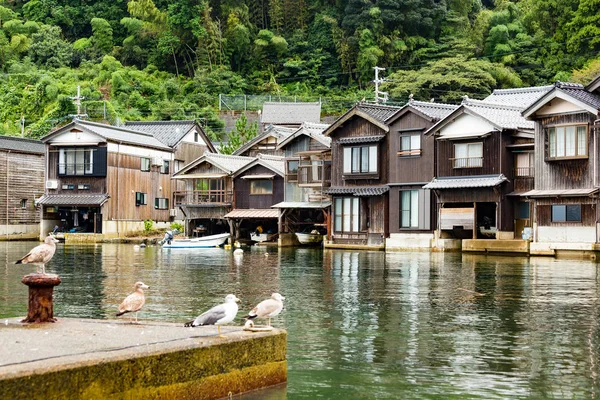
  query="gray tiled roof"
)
[
  {"x": 168, "y": 132},
  {"x": 578, "y": 92},
  {"x": 518, "y": 97},
  {"x": 360, "y": 139},
  {"x": 278, "y": 132},
  {"x": 290, "y": 113},
  {"x": 228, "y": 163},
  {"x": 309, "y": 129},
  {"x": 73, "y": 199},
  {"x": 358, "y": 191},
  {"x": 22, "y": 145},
  {"x": 276, "y": 163},
  {"x": 433, "y": 110},
  {"x": 503, "y": 116},
  {"x": 463, "y": 182},
  {"x": 377, "y": 111},
  {"x": 116, "y": 134}
]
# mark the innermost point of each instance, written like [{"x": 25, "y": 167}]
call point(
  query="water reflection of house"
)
[
  {"x": 359, "y": 176},
  {"x": 257, "y": 186},
  {"x": 208, "y": 194},
  {"x": 475, "y": 169},
  {"x": 308, "y": 173},
  {"x": 105, "y": 180},
  {"x": 566, "y": 163},
  {"x": 22, "y": 182}
]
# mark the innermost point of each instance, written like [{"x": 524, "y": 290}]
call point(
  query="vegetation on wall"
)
[{"x": 145, "y": 59}]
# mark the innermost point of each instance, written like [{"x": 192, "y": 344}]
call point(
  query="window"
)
[
  {"x": 68, "y": 187},
  {"x": 196, "y": 137},
  {"x": 83, "y": 186},
  {"x": 177, "y": 164},
  {"x": 23, "y": 203},
  {"x": 145, "y": 164},
  {"x": 161, "y": 204},
  {"x": 140, "y": 199},
  {"x": 347, "y": 214},
  {"x": 75, "y": 161},
  {"x": 566, "y": 213},
  {"x": 292, "y": 170},
  {"x": 567, "y": 141},
  {"x": 360, "y": 160},
  {"x": 164, "y": 169},
  {"x": 261, "y": 186},
  {"x": 524, "y": 164},
  {"x": 409, "y": 209},
  {"x": 410, "y": 145},
  {"x": 523, "y": 211},
  {"x": 468, "y": 155}
]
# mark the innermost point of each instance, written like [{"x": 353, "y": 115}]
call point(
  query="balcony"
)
[
  {"x": 314, "y": 175},
  {"x": 524, "y": 179},
  {"x": 199, "y": 197},
  {"x": 469, "y": 162},
  {"x": 75, "y": 169}
]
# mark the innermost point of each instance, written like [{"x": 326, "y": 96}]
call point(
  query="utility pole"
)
[
  {"x": 22, "y": 125},
  {"x": 379, "y": 96},
  {"x": 77, "y": 100}
]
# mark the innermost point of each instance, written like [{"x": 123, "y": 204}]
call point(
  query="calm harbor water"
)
[{"x": 363, "y": 325}]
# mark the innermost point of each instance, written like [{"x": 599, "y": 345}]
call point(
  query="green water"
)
[{"x": 363, "y": 325}]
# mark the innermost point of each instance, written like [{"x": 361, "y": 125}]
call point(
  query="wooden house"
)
[
  {"x": 209, "y": 193},
  {"x": 22, "y": 167},
  {"x": 566, "y": 161},
  {"x": 411, "y": 155},
  {"x": 257, "y": 186},
  {"x": 475, "y": 170},
  {"x": 290, "y": 115},
  {"x": 105, "y": 180},
  {"x": 360, "y": 176},
  {"x": 265, "y": 142},
  {"x": 307, "y": 174}
]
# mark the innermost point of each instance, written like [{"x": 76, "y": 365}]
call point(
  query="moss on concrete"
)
[{"x": 198, "y": 372}]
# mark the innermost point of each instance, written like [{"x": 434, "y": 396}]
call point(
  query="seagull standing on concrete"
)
[
  {"x": 218, "y": 315},
  {"x": 268, "y": 308},
  {"x": 134, "y": 302},
  {"x": 41, "y": 254}
]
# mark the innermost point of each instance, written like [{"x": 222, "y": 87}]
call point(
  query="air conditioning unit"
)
[
  {"x": 173, "y": 212},
  {"x": 157, "y": 161},
  {"x": 52, "y": 184}
]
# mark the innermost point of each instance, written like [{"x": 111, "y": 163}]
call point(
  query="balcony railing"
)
[
  {"x": 314, "y": 175},
  {"x": 202, "y": 197},
  {"x": 75, "y": 169},
  {"x": 524, "y": 172},
  {"x": 469, "y": 162}
]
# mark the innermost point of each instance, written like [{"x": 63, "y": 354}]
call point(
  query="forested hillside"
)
[{"x": 169, "y": 59}]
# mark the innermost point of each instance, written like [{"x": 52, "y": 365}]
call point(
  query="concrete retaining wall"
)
[{"x": 409, "y": 242}]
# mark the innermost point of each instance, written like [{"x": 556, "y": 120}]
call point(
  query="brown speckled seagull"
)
[
  {"x": 268, "y": 308},
  {"x": 134, "y": 302},
  {"x": 41, "y": 254}
]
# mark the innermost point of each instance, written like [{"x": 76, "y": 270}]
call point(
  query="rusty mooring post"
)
[{"x": 41, "y": 288}]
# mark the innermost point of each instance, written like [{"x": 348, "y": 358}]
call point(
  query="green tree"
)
[
  {"x": 242, "y": 133},
  {"x": 49, "y": 49}
]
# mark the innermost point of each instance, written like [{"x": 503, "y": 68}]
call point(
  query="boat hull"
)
[
  {"x": 201, "y": 242},
  {"x": 309, "y": 238}
]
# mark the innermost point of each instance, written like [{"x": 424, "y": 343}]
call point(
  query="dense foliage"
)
[{"x": 140, "y": 59}]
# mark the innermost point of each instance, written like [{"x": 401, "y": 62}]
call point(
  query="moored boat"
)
[
  {"x": 309, "y": 238},
  {"x": 200, "y": 242}
]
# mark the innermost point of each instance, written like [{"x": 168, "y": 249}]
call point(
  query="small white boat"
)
[
  {"x": 309, "y": 238},
  {"x": 200, "y": 242}
]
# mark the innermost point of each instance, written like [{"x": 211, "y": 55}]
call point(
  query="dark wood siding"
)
[
  {"x": 491, "y": 156},
  {"x": 21, "y": 178},
  {"x": 564, "y": 174},
  {"x": 245, "y": 200},
  {"x": 544, "y": 215}
]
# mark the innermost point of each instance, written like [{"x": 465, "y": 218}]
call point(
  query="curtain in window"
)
[
  {"x": 347, "y": 215},
  {"x": 570, "y": 141},
  {"x": 347, "y": 160},
  {"x": 560, "y": 142},
  {"x": 61, "y": 162},
  {"x": 552, "y": 142},
  {"x": 414, "y": 208},
  {"x": 338, "y": 215},
  {"x": 373, "y": 159},
  {"x": 355, "y": 214},
  {"x": 581, "y": 140},
  {"x": 405, "y": 210}
]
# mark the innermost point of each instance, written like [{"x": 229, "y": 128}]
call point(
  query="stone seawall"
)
[{"x": 97, "y": 359}]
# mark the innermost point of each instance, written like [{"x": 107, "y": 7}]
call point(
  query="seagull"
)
[
  {"x": 134, "y": 302},
  {"x": 218, "y": 315},
  {"x": 268, "y": 308},
  {"x": 41, "y": 254}
]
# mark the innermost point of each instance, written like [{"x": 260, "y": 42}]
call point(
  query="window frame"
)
[
  {"x": 23, "y": 204},
  {"x": 354, "y": 164},
  {"x": 410, "y": 152},
  {"x": 353, "y": 217},
  {"x": 548, "y": 130},
  {"x": 145, "y": 160},
  {"x": 468, "y": 163},
  {"x": 255, "y": 182},
  {"x": 161, "y": 200},
  {"x": 292, "y": 176},
  {"x": 141, "y": 199},
  {"x": 66, "y": 168},
  {"x": 164, "y": 168},
  {"x": 573, "y": 207},
  {"x": 412, "y": 224}
]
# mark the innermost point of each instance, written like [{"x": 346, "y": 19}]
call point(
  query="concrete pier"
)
[{"x": 96, "y": 359}]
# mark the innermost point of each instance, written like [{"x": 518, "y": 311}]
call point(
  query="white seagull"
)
[
  {"x": 218, "y": 315},
  {"x": 134, "y": 302},
  {"x": 41, "y": 254},
  {"x": 267, "y": 308}
]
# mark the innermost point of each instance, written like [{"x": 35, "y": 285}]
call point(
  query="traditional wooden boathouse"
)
[
  {"x": 22, "y": 166},
  {"x": 565, "y": 196}
]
